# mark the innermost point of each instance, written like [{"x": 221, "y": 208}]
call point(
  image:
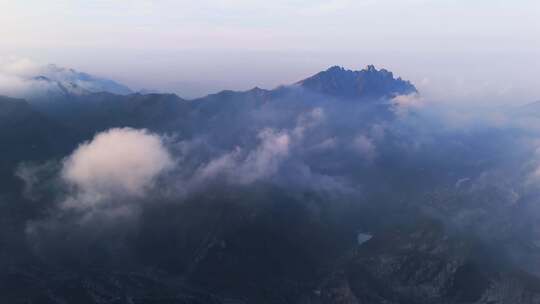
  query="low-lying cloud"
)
[
  {"x": 263, "y": 161},
  {"x": 122, "y": 162},
  {"x": 242, "y": 168}
]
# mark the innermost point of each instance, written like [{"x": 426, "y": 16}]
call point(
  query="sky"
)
[{"x": 451, "y": 49}]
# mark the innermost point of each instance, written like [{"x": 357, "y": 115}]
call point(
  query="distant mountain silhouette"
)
[
  {"x": 368, "y": 83},
  {"x": 53, "y": 83},
  {"x": 83, "y": 110},
  {"x": 84, "y": 82}
]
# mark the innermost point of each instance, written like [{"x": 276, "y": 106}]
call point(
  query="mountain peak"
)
[
  {"x": 371, "y": 68},
  {"x": 369, "y": 83},
  {"x": 51, "y": 82},
  {"x": 335, "y": 69}
]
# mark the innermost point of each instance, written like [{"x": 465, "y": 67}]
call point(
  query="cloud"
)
[
  {"x": 411, "y": 100},
  {"x": 265, "y": 160},
  {"x": 118, "y": 162},
  {"x": 307, "y": 121},
  {"x": 103, "y": 186},
  {"x": 14, "y": 72},
  {"x": 274, "y": 147},
  {"x": 364, "y": 146},
  {"x": 245, "y": 168},
  {"x": 11, "y": 85},
  {"x": 38, "y": 179},
  {"x": 18, "y": 66},
  {"x": 405, "y": 103},
  {"x": 326, "y": 144},
  {"x": 99, "y": 192}
]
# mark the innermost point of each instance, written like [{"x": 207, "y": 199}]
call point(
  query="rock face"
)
[
  {"x": 425, "y": 265},
  {"x": 420, "y": 265},
  {"x": 369, "y": 83}
]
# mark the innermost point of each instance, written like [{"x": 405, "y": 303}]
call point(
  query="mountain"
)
[
  {"x": 313, "y": 192},
  {"x": 90, "y": 112},
  {"x": 26, "y": 136},
  {"x": 83, "y": 81},
  {"x": 54, "y": 83},
  {"x": 424, "y": 264},
  {"x": 368, "y": 83},
  {"x": 42, "y": 88},
  {"x": 36, "y": 134}
]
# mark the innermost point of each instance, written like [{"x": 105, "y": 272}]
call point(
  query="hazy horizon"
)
[{"x": 194, "y": 50}]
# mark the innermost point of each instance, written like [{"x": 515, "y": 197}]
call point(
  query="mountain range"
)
[{"x": 328, "y": 190}]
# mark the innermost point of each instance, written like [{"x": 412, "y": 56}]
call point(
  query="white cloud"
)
[
  {"x": 14, "y": 72},
  {"x": 405, "y": 103},
  {"x": 265, "y": 160},
  {"x": 118, "y": 162},
  {"x": 307, "y": 121},
  {"x": 245, "y": 167},
  {"x": 227, "y": 162}
]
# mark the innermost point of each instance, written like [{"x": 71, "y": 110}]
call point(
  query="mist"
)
[
  {"x": 154, "y": 181},
  {"x": 339, "y": 152}
]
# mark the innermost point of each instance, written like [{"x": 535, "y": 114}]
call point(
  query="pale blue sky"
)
[{"x": 195, "y": 47}]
